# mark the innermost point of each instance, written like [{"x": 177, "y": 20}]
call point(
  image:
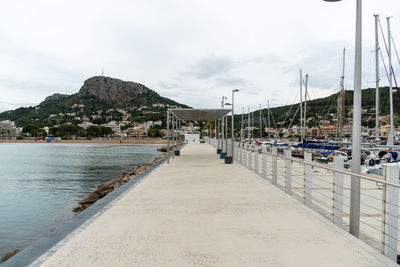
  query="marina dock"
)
[{"x": 198, "y": 211}]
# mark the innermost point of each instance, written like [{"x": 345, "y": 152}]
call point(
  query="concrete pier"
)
[{"x": 198, "y": 211}]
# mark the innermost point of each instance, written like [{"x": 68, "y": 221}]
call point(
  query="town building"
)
[
  {"x": 8, "y": 129},
  {"x": 115, "y": 127}
]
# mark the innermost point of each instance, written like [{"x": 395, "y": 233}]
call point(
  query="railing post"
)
[
  {"x": 274, "y": 165},
  {"x": 288, "y": 171},
  {"x": 308, "y": 179},
  {"x": 264, "y": 159},
  {"x": 236, "y": 149},
  {"x": 256, "y": 159},
  {"x": 241, "y": 154},
  {"x": 338, "y": 164},
  {"x": 246, "y": 156},
  {"x": 390, "y": 211},
  {"x": 250, "y": 158}
]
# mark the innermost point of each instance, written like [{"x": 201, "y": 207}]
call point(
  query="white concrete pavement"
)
[{"x": 197, "y": 211}]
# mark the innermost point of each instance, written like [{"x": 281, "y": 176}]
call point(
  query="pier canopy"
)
[{"x": 186, "y": 114}]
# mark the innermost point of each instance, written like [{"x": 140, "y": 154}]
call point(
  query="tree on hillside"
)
[
  {"x": 154, "y": 132},
  {"x": 33, "y": 130},
  {"x": 67, "y": 130},
  {"x": 98, "y": 131}
]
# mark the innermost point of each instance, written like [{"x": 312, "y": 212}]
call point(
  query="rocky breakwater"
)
[
  {"x": 164, "y": 149},
  {"x": 109, "y": 186}
]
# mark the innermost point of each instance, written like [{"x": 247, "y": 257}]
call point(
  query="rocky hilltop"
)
[
  {"x": 56, "y": 97},
  {"x": 113, "y": 90}
]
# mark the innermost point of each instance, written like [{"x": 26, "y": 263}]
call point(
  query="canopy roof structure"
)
[{"x": 186, "y": 114}]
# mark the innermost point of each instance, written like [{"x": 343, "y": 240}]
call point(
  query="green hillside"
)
[
  {"x": 323, "y": 108},
  {"x": 98, "y": 99}
]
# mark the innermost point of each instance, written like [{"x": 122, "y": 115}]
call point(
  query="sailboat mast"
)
[
  {"x": 241, "y": 129},
  {"x": 391, "y": 134},
  {"x": 305, "y": 105},
  {"x": 341, "y": 102},
  {"x": 301, "y": 106},
  {"x": 260, "y": 124},
  {"x": 248, "y": 125},
  {"x": 377, "y": 92},
  {"x": 252, "y": 124},
  {"x": 269, "y": 123}
]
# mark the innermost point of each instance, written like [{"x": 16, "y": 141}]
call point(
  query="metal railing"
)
[{"x": 326, "y": 190}]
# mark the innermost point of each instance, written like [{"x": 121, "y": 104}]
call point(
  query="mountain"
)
[
  {"x": 99, "y": 100},
  {"x": 55, "y": 97}
]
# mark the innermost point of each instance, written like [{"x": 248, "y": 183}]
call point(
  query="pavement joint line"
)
[{"x": 359, "y": 243}]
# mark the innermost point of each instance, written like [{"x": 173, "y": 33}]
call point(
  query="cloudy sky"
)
[{"x": 191, "y": 51}]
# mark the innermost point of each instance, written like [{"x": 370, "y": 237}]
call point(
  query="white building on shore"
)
[{"x": 8, "y": 129}]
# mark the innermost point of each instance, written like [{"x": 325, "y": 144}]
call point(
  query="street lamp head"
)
[
  {"x": 235, "y": 90},
  {"x": 332, "y": 0}
]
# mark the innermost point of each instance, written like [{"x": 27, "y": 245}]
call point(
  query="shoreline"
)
[
  {"x": 114, "y": 142},
  {"x": 109, "y": 186}
]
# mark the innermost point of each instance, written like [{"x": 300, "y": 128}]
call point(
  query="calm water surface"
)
[{"x": 40, "y": 184}]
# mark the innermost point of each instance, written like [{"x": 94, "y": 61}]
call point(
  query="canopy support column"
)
[
  {"x": 173, "y": 137},
  {"x": 168, "y": 150}
]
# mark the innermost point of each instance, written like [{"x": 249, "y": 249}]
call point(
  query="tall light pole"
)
[
  {"x": 233, "y": 115},
  {"x": 223, "y": 148},
  {"x": 356, "y": 144},
  {"x": 229, "y": 159}
]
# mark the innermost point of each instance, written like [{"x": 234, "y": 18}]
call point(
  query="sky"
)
[{"x": 193, "y": 52}]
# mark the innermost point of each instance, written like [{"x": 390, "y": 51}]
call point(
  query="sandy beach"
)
[{"x": 127, "y": 141}]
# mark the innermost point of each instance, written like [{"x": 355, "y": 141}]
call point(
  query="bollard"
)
[
  {"x": 338, "y": 164},
  {"x": 308, "y": 179},
  {"x": 390, "y": 200},
  {"x": 274, "y": 165},
  {"x": 264, "y": 159},
  {"x": 288, "y": 171}
]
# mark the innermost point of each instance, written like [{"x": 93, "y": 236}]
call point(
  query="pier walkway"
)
[{"x": 198, "y": 211}]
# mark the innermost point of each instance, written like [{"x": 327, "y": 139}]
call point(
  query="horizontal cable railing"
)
[{"x": 327, "y": 190}]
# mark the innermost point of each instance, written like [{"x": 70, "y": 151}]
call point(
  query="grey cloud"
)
[
  {"x": 323, "y": 62},
  {"x": 11, "y": 106},
  {"x": 8, "y": 82},
  {"x": 264, "y": 59},
  {"x": 167, "y": 85},
  {"x": 230, "y": 81},
  {"x": 209, "y": 66}
]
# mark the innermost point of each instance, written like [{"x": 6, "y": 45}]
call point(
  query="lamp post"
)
[
  {"x": 356, "y": 144},
  {"x": 229, "y": 159},
  {"x": 233, "y": 119},
  {"x": 224, "y": 148}
]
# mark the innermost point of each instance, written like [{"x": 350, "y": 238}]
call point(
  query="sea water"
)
[{"x": 40, "y": 184}]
